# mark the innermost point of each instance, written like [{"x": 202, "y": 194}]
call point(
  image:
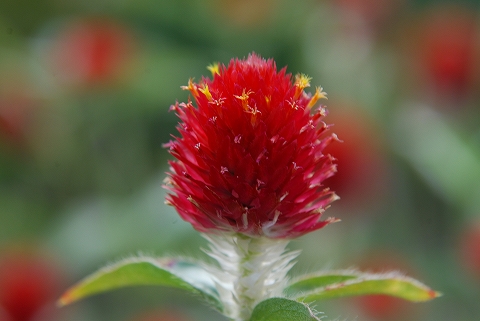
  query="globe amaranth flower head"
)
[{"x": 249, "y": 158}]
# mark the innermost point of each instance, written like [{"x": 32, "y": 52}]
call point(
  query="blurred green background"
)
[{"x": 85, "y": 88}]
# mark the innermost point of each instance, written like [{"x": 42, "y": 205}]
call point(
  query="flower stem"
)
[{"x": 250, "y": 270}]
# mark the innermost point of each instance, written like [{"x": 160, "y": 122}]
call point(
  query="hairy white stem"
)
[{"x": 250, "y": 270}]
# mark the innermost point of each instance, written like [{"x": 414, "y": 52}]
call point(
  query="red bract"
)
[{"x": 250, "y": 158}]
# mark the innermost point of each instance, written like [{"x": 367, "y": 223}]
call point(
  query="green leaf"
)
[
  {"x": 174, "y": 273},
  {"x": 281, "y": 309},
  {"x": 338, "y": 284},
  {"x": 315, "y": 281}
]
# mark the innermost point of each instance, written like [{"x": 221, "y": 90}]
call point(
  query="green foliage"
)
[
  {"x": 336, "y": 284},
  {"x": 174, "y": 273},
  {"x": 194, "y": 279},
  {"x": 281, "y": 309}
]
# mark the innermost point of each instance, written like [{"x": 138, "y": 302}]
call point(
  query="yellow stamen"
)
[
  {"x": 192, "y": 87},
  {"x": 206, "y": 92},
  {"x": 214, "y": 68},
  {"x": 244, "y": 98},
  {"x": 319, "y": 94},
  {"x": 253, "y": 111},
  {"x": 302, "y": 81},
  {"x": 267, "y": 100}
]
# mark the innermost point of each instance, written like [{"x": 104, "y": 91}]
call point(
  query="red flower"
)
[
  {"x": 362, "y": 177},
  {"x": 379, "y": 306},
  {"x": 449, "y": 49},
  {"x": 469, "y": 248},
  {"x": 91, "y": 51},
  {"x": 376, "y": 13},
  {"x": 28, "y": 284},
  {"x": 15, "y": 109},
  {"x": 250, "y": 155}
]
